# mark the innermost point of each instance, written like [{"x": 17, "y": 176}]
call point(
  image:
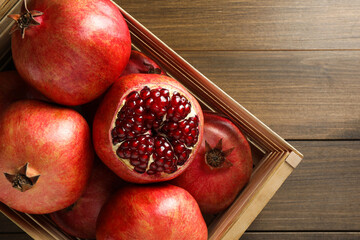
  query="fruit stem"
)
[
  {"x": 216, "y": 157},
  {"x": 20, "y": 180},
  {"x": 25, "y": 20}
]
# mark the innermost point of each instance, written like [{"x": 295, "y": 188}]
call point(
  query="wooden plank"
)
[
  {"x": 6, "y": 225},
  {"x": 298, "y": 94},
  {"x": 300, "y": 235},
  {"x": 16, "y": 236},
  {"x": 249, "y": 25},
  {"x": 252, "y": 236},
  {"x": 322, "y": 194}
]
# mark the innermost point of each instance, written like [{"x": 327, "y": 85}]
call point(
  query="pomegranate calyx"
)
[
  {"x": 216, "y": 157},
  {"x": 152, "y": 69},
  {"x": 25, "y": 20},
  {"x": 20, "y": 180}
]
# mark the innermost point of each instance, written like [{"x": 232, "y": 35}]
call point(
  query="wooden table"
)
[{"x": 296, "y": 66}]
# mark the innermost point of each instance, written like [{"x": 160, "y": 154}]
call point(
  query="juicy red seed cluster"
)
[
  {"x": 141, "y": 112},
  {"x": 185, "y": 131},
  {"x": 179, "y": 108},
  {"x": 152, "y": 142},
  {"x": 164, "y": 157},
  {"x": 138, "y": 151}
]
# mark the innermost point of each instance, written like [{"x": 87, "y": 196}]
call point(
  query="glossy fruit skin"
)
[
  {"x": 79, "y": 49},
  {"x": 152, "y": 212},
  {"x": 107, "y": 111},
  {"x": 56, "y": 144},
  {"x": 141, "y": 63},
  {"x": 216, "y": 188},
  {"x": 79, "y": 220}
]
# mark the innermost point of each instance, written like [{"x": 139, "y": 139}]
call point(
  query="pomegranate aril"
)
[
  {"x": 139, "y": 110},
  {"x": 120, "y": 153},
  {"x": 132, "y": 95},
  {"x": 127, "y": 154},
  {"x": 153, "y": 166},
  {"x": 134, "y": 162},
  {"x": 139, "y": 169},
  {"x": 145, "y": 92},
  {"x": 160, "y": 169},
  {"x": 142, "y": 149}
]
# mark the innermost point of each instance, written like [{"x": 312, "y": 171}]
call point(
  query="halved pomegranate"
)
[{"x": 147, "y": 128}]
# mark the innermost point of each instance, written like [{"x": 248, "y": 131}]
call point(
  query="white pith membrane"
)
[{"x": 191, "y": 114}]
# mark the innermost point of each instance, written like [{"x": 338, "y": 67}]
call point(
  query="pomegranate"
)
[
  {"x": 79, "y": 219},
  {"x": 14, "y": 88},
  {"x": 147, "y": 128},
  {"x": 221, "y": 168},
  {"x": 138, "y": 63},
  {"x": 141, "y": 63},
  {"x": 71, "y": 51},
  {"x": 46, "y": 156},
  {"x": 158, "y": 212}
]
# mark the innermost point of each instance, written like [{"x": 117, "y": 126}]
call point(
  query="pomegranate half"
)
[
  {"x": 71, "y": 51},
  {"x": 148, "y": 128},
  {"x": 46, "y": 156},
  {"x": 222, "y": 167},
  {"x": 151, "y": 212}
]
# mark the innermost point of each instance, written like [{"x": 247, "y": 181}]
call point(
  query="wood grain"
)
[
  {"x": 251, "y": 25},
  {"x": 301, "y": 236},
  {"x": 253, "y": 236},
  {"x": 322, "y": 194},
  {"x": 16, "y": 236},
  {"x": 299, "y": 94}
]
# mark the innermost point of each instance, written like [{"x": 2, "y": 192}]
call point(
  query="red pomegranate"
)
[
  {"x": 71, "y": 51},
  {"x": 151, "y": 212},
  {"x": 14, "y": 88},
  {"x": 147, "y": 128},
  {"x": 221, "y": 168},
  {"x": 46, "y": 156},
  {"x": 141, "y": 63},
  {"x": 79, "y": 219},
  {"x": 138, "y": 63}
]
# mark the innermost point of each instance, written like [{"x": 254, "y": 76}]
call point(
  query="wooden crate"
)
[{"x": 274, "y": 159}]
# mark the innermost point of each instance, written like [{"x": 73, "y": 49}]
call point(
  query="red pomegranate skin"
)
[
  {"x": 152, "y": 212},
  {"x": 141, "y": 63},
  {"x": 79, "y": 49},
  {"x": 14, "y": 88},
  {"x": 56, "y": 144},
  {"x": 107, "y": 111},
  {"x": 79, "y": 220},
  {"x": 216, "y": 188},
  {"x": 138, "y": 63}
]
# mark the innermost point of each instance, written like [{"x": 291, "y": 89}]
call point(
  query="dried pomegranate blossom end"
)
[
  {"x": 20, "y": 180},
  {"x": 155, "y": 131}
]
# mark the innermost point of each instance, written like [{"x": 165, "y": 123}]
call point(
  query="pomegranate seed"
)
[
  {"x": 134, "y": 162},
  {"x": 144, "y": 158},
  {"x": 145, "y": 93},
  {"x": 139, "y": 169},
  {"x": 132, "y": 95}
]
